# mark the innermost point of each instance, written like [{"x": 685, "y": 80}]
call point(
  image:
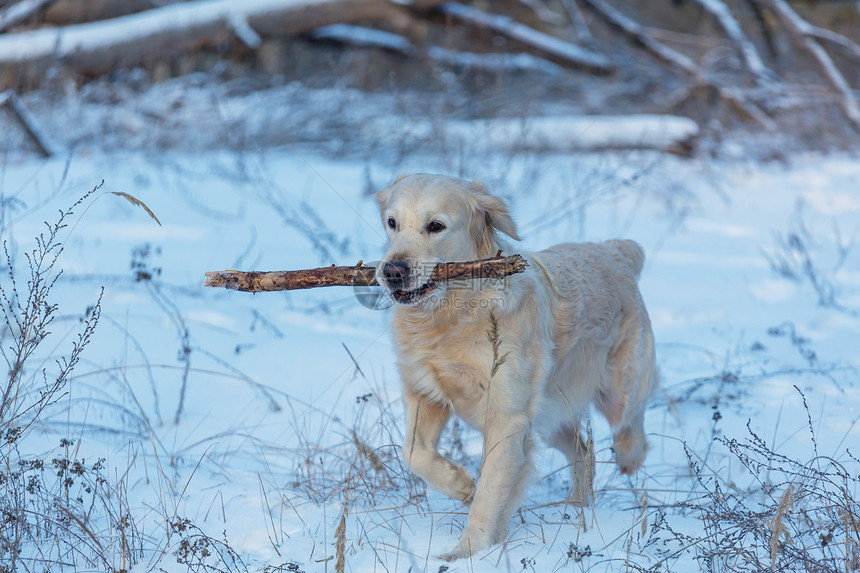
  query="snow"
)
[{"x": 263, "y": 454}]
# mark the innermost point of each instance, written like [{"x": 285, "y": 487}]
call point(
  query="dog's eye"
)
[
  {"x": 435, "y": 227},
  {"x": 392, "y": 224}
]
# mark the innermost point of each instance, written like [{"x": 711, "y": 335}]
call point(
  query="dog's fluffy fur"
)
[{"x": 520, "y": 358}]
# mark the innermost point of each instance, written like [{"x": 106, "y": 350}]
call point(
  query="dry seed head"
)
[
  {"x": 776, "y": 525},
  {"x": 137, "y": 202}
]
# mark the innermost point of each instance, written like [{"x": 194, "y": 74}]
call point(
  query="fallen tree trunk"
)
[
  {"x": 359, "y": 275},
  {"x": 97, "y": 47},
  {"x": 556, "y": 134}
]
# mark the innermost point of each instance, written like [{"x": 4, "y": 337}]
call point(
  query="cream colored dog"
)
[{"x": 516, "y": 358}]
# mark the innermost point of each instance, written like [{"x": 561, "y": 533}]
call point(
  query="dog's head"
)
[{"x": 432, "y": 219}]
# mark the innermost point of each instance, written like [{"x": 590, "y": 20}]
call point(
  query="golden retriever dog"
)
[{"x": 520, "y": 358}]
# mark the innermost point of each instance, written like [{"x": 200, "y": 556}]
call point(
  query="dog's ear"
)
[
  {"x": 493, "y": 212},
  {"x": 383, "y": 195}
]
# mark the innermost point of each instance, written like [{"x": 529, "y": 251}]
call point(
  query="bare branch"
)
[
  {"x": 850, "y": 48},
  {"x": 491, "y": 62},
  {"x": 578, "y": 20},
  {"x": 803, "y": 35},
  {"x": 702, "y": 84},
  {"x": 551, "y": 46},
  {"x": 540, "y": 9},
  {"x": 730, "y": 25},
  {"x": 359, "y": 275},
  {"x": 20, "y": 11},
  {"x": 638, "y": 34}
]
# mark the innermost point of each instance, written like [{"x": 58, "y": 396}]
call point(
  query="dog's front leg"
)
[
  {"x": 500, "y": 486},
  {"x": 424, "y": 422}
]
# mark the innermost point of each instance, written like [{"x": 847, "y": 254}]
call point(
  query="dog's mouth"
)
[{"x": 410, "y": 296}]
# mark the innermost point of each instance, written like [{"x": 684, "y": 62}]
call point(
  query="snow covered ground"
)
[{"x": 269, "y": 420}]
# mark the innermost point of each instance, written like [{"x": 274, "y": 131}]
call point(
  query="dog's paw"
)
[
  {"x": 466, "y": 493},
  {"x": 629, "y": 462},
  {"x": 469, "y": 544},
  {"x": 630, "y": 448},
  {"x": 454, "y": 554},
  {"x": 578, "y": 498},
  {"x": 456, "y": 483}
]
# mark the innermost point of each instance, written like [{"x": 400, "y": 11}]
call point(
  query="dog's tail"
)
[{"x": 632, "y": 253}]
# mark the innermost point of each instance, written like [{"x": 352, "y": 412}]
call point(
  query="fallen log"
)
[
  {"x": 97, "y": 47},
  {"x": 360, "y": 275},
  {"x": 556, "y": 134}
]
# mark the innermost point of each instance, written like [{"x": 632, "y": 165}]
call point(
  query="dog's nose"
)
[{"x": 395, "y": 273}]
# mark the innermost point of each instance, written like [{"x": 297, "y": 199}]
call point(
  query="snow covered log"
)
[
  {"x": 558, "y": 134},
  {"x": 97, "y": 47},
  {"x": 359, "y": 275}
]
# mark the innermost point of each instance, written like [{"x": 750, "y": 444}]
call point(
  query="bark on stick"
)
[{"x": 359, "y": 275}]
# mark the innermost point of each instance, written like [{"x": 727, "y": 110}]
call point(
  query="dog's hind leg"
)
[
  {"x": 632, "y": 378},
  {"x": 580, "y": 455},
  {"x": 424, "y": 422}
]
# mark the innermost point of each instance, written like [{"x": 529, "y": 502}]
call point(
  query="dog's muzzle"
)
[{"x": 397, "y": 278}]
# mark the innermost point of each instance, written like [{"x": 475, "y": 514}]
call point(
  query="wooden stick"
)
[{"x": 493, "y": 268}]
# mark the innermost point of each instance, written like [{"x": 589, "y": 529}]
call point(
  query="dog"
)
[{"x": 519, "y": 358}]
